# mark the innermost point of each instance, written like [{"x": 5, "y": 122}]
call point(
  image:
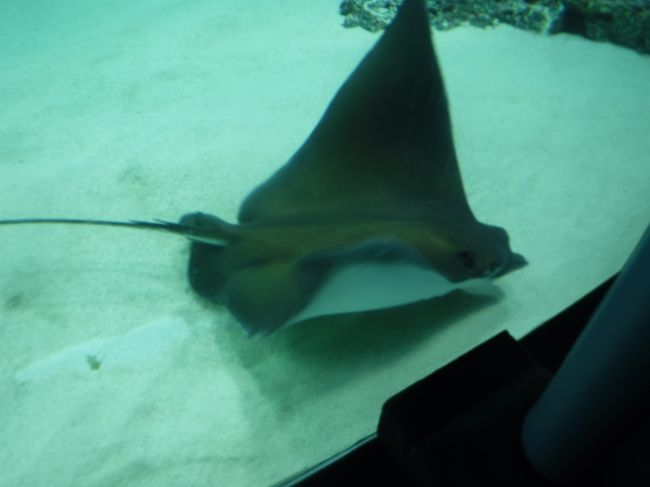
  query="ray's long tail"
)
[{"x": 197, "y": 227}]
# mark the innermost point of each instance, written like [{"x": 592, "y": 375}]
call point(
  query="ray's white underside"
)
[{"x": 367, "y": 286}]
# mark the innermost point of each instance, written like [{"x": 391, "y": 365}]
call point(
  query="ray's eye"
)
[{"x": 468, "y": 258}]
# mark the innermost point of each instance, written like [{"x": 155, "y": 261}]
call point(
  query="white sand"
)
[{"x": 113, "y": 373}]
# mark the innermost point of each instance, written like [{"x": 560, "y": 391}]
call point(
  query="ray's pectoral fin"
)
[
  {"x": 383, "y": 144},
  {"x": 267, "y": 296},
  {"x": 263, "y": 298}
]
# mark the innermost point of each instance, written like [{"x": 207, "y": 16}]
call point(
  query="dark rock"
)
[
  {"x": 623, "y": 22},
  {"x": 536, "y": 15}
]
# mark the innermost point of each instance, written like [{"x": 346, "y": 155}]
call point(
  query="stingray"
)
[{"x": 369, "y": 213}]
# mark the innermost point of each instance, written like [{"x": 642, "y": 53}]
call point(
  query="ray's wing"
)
[
  {"x": 383, "y": 144},
  {"x": 276, "y": 293},
  {"x": 264, "y": 297}
]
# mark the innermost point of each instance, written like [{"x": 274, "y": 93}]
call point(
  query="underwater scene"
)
[{"x": 230, "y": 230}]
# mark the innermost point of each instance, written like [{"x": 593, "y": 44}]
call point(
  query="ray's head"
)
[
  {"x": 471, "y": 250},
  {"x": 485, "y": 252}
]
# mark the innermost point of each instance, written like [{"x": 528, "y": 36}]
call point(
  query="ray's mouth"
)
[
  {"x": 493, "y": 271},
  {"x": 469, "y": 260}
]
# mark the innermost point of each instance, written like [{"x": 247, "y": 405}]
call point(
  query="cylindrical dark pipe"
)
[{"x": 599, "y": 382}]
